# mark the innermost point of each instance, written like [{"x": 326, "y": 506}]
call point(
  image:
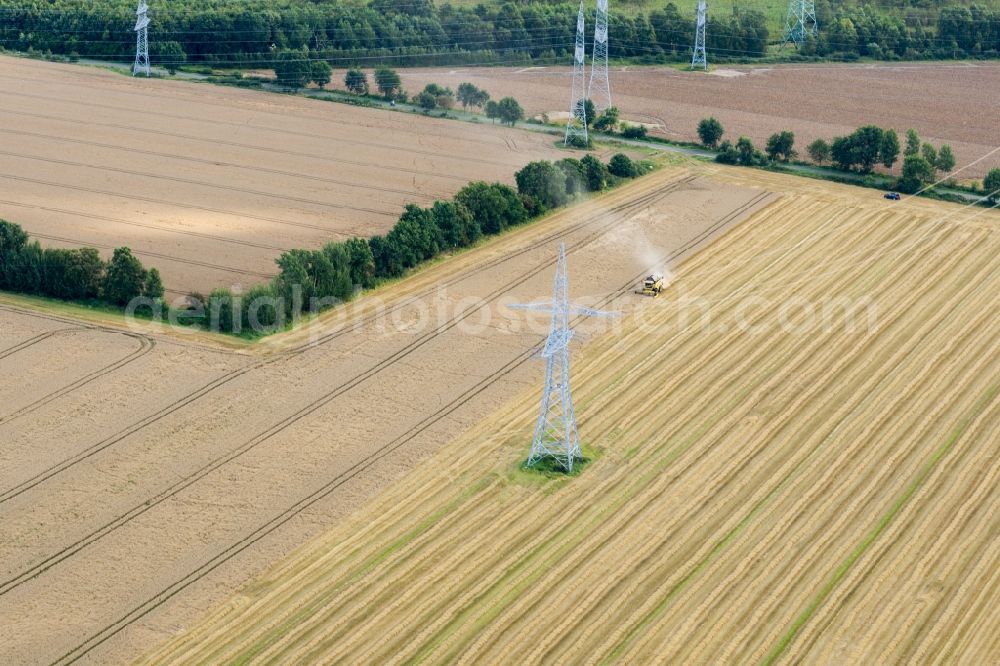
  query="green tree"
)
[
  {"x": 746, "y": 151},
  {"x": 544, "y": 183},
  {"x": 388, "y": 82},
  {"x": 607, "y": 121},
  {"x": 635, "y": 132},
  {"x": 320, "y": 72},
  {"x": 481, "y": 98},
  {"x": 991, "y": 185},
  {"x": 13, "y": 240},
  {"x": 889, "y": 149},
  {"x": 819, "y": 151},
  {"x": 917, "y": 171},
  {"x": 945, "y": 159},
  {"x": 781, "y": 146},
  {"x": 468, "y": 95},
  {"x": 493, "y": 111},
  {"x": 458, "y": 228},
  {"x": 842, "y": 153},
  {"x": 425, "y": 101},
  {"x": 710, "y": 132},
  {"x": 510, "y": 111},
  {"x": 590, "y": 112},
  {"x": 727, "y": 154},
  {"x": 332, "y": 277},
  {"x": 866, "y": 146},
  {"x": 86, "y": 273},
  {"x": 124, "y": 279},
  {"x": 292, "y": 68},
  {"x": 929, "y": 153},
  {"x": 293, "y": 283},
  {"x": 494, "y": 207},
  {"x": 362, "y": 263},
  {"x": 416, "y": 235},
  {"x": 171, "y": 56},
  {"x": 153, "y": 285},
  {"x": 576, "y": 175},
  {"x": 912, "y": 143},
  {"x": 622, "y": 166},
  {"x": 356, "y": 81},
  {"x": 596, "y": 174}
]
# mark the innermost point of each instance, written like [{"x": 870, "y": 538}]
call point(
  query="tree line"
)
[
  {"x": 261, "y": 33},
  {"x": 311, "y": 281},
  {"x": 253, "y": 33},
  {"x": 861, "y": 151},
  {"x": 72, "y": 274}
]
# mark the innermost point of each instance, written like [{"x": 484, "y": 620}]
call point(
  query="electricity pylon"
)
[
  {"x": 577, "y": 125},
  {"x": 801, "y": 22},
  {"x": 599, "y": 90},
  {"x": 700, "y": 58},
  {"x": 556, "y": 434},
  {"x": 141, "y": 39}
]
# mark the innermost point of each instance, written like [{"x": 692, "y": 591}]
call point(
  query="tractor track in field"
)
[
  {"x": 157, "y": 255},
  {"x": 166, "y": 202},
  {"x": 238, "y": 547},
  {"x": 142, "y": 225},
  {"x": 237, "y": 144},
  {"x": 198, "y": 183},
  {"x": 146, "y": 345},
  {"x": 277, "y": 130},
  {"x": 210, "y": 162},
  {"x": 41, "y": 337}
]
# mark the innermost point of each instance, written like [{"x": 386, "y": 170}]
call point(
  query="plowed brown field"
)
[
  {"x": 763, "y": 492},
  {"x": 814, "y": 101},
  {"x": 211, "y": 184}
]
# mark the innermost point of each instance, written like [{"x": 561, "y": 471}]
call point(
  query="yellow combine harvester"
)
[{"x": 652, "y": 286}]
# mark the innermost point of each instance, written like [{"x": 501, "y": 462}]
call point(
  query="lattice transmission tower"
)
[
  {"x": 577, "y": 125},
  {"x": 141, "y": 39},
  {"x": 599, "y": 90},
  {"x": 700, "y": 58},
  {"x": 801, "y": 22},
  {"x": 556, "y": 436}
]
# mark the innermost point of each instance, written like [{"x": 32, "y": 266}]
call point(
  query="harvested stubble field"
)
[
  {"x": 211, "y": 184},
  {"x": 814, "y": 101},
  {"x": 147, "y": 476},
  {"x": 760, "y": 493}
]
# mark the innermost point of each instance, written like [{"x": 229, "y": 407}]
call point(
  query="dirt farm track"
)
[{"x": 211, "y": 188}]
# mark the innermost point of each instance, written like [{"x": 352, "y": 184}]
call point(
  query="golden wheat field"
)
[{"x": 804, "y": 470}]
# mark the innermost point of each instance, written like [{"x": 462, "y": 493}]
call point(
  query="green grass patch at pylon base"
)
[{"x": 553, "y": 467}]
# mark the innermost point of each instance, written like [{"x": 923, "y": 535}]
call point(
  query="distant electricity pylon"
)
[
  {"x": 556, "y": 435},
  {"x": 801, "y": 22},
  {"x": 577, "y": 125},
  {"x": 700, "y": 58},
  {"x": 599, "y": 90},
  {"x": 141, "y": 39}
]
